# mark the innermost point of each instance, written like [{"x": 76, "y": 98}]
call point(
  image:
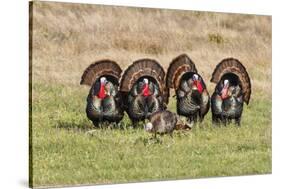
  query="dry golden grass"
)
[{"x": 68, "y": 37}]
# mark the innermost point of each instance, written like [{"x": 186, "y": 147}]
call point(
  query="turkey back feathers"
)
[
  {"x": 101, "y": 68},
  {"x": 177, "y": 68},
  {"x": 142, "y": 68}
]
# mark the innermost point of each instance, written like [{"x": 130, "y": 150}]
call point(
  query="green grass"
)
[{"x": 65, "y": 153}]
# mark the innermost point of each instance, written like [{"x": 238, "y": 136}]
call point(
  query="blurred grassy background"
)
[{"x": 68, "y": 37}]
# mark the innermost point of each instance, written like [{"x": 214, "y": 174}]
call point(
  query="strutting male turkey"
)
[
  {"x": 143, "y": 89},
  {"x": 193, "y": 100},
  {"x": 232, "y": 90},
  {"x": 104, "y": 102}
]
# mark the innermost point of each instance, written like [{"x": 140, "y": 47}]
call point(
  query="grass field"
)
[{"x": 68, "y": 37}]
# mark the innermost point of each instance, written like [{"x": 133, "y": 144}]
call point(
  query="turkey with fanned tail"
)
[
  {"x": 232, "y": 90},
  {"x": 143, "y": 89},
  {"x": 193, "y": 99},
  {"x": 104, "y": 102}
]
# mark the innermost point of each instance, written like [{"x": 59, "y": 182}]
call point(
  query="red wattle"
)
[
  {"x": 145, "y": 90},
  {"x": 199, "y": 86},
  {"x": 101, "y": 93},
  {"x": 224, "y": 93}
]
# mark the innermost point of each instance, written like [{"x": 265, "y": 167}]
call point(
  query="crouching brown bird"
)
[
  {"x": 232, "y": 90},
  {"x": 104, "y": 102},
  {"x": 164, "y": 122}
]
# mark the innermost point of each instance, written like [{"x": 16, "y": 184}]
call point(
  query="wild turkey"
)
[
  {"x": 142, "y": 86},
  {"x": 164, "y": 122},
  {"x": 232, "y": 90},
  {"x": 104, "y": 102},
  {"x": 193, "y": 100},
  {"x": 161, "y": 122}
]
